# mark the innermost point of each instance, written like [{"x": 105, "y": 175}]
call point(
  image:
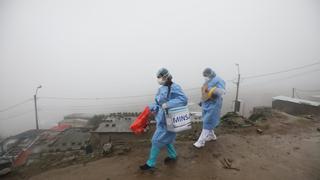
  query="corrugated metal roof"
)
[
  {"x": 295, "y": 100},
  {"x": 61, "y": 127},
  {"x": 119, "y": 125}
]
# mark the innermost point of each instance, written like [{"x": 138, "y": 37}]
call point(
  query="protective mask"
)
[
  {"x": 161, "y": 81},
  {"x": 206, "y": 79}
]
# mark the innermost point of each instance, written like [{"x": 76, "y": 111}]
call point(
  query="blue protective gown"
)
[
  {"x": 177, "y": 98},
  {"x": 211, "y": 108}
]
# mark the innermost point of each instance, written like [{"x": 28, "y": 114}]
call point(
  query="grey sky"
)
[{"x": 96, "y": 48}]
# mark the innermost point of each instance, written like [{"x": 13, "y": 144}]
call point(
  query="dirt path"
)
[
  {"x": 257, "y": 157},
  {"x": 288, "y": 148}
]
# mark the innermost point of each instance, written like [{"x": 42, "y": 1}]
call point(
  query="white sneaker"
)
[
  {"x": 202, "y": 140},
  {"x": 211, "y": 136},
  {"x": 199, "y": 144}
]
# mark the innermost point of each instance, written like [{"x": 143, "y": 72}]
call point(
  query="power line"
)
[
  {"x": 296, "y": 94},
  {"x": 95, "y": 106},
  {"x": 107, "y": 98},
  {"x": 279, "y": 72},
  {"x": 308, "y": 91},
  {"x": 110, "y": 98},
  {"x": 150, "y": 95},
  {"x": 95, "y": 99},
  {"x": 16, "y": 105},
  {"x": 91, "y": 109},
  {"x": 18, "y": 115},
  {"x": 103, "y": 98},
  {"x": 288, "y": 77}
]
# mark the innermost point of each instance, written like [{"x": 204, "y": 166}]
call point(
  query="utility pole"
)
[
  {"x": 35, "y": 107},
  {"x": 293, "y": 92},
  {"x": 236, "y": 102}
]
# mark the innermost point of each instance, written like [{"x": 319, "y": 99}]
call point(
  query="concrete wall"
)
[{"x": 295, "y": 108}]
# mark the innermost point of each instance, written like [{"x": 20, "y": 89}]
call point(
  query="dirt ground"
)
[{"x": 287, "y": 148}]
